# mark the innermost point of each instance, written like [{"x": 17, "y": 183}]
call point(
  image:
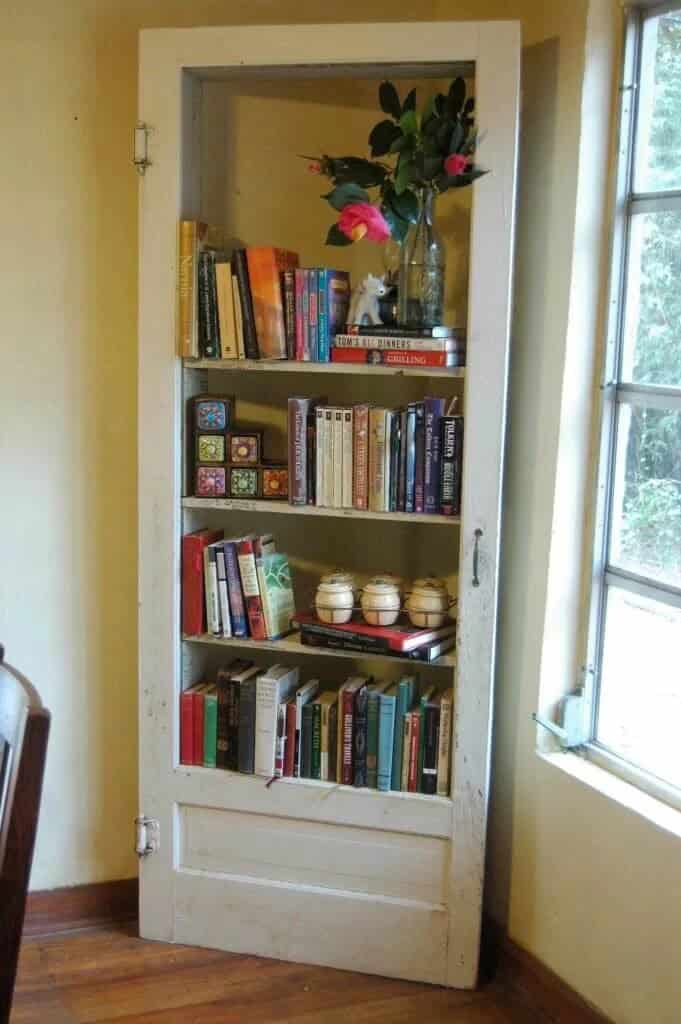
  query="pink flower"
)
[
  {"x": 362, "y": 220},
  {"x": 456, "y": 163},
  {"x": 314, "y": 167}
]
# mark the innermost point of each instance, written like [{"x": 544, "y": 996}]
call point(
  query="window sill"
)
[{"x": 624, "y": 793}]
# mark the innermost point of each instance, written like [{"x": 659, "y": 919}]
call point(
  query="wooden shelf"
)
[
  {"x": 283, "y": 508},
  {"x": 286, "y": 366},
  {"x": 292, "y": 645}
]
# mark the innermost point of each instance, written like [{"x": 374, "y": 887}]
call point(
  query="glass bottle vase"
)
[{"x": 422, "y": 269}]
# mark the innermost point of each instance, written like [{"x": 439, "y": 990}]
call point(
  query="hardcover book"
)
[
  {"x": 427, "y": 653},
  {"x": 193, "y": 607},
  {"x": 346, "y": 713},
  {"x": 300, "y": 325},
  {"x": 247, "y": 693},
  {"x": 229, "y": 346},
  {"x": 290, "y": 749},
  {"x": 359, "y": 738},
  {"x": 403, "y": 344},
  {"x": 378, "y": 422},
  {"x": 410, "y": 460},
  {"x": 326, "y": 701},
  {"x": 406, "y": 689},
  {"x": 431, "y": 729},
  {"x": 210, "y": 726},
  {"x": 266, "y": 264},
  {"x": 451, "y": 465},
  {"x": 360, "y": 457},
  {"x": 209, "y": 341},
  {"x": 399, "y": 331},
  {"x": 299, "y": 412},
  {"x": 334, "y": 292},
  {"x": 236, "y": 599},
  {"x": 401, "y": 637},
  {"x": 288, "y": 286},
  {"x": 210, "y": 576},
  {"x": 312, "y": 319},
  {"x": 223, "y": 593},
  {"x": 306, "y": 741},
  {"x": 274, "y": 575},
  {"x": 386, "y": 734},
  {"x": 194, "y": 237},
  {"x": 420, "y": 456},
  {"x": 434, "y": 409},
  {"x": 250, "y": 588},
  {"x": 373, "y": 709},
  {"x": 316, "y": 755},
  {"x": 397, "y": 357},
  {"x": 273, "y": 687},
  {"x": 444, "y": 745},
  {"x": 240, "y": 269},
  {"x": 304, "y": 694}
]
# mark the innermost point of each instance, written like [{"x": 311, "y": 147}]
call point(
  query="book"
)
[
  {"x": 229, "y": 346},
  {"x": 414, "y": 744},
  {"x": 273, "y": 687},
  {"x": 373, "y": 709},
  {"x": 401, "y": 637},
  {"x": 306, "y": 316},
  {"x": 288, "y": 287},
  {"x": 404, "y": 700},
  {"x": 236, "y": 598},
  {"x": 210, "y": 578},
  {"x": 444, "y": 744},
  {"x": 328, "y": 453},
  {"x": 240, "y": 671},
  {"x": 397, "y": 357},
  {"x": 320, "y": 432},
  {"x": 247, "y": 695},
  {"x": 410, "y": 459},
  {"x": 402, "y": 464},
  {"x": 210, "y": 726},
  {"x": 265, "y": 267},
  {"x": 323, "y": 340},
  {"x": 250, "y": 589},
  {"x": 428, "y": 653},
  {"x": 290, "y": 748},
  {"x": 299, "y": 412},
  {"x": 378, "y": 420},
  {"x": 193, "y": 237},
  {"x": 193, "y": 593},
  {"x": 346, "y": 714},
  {"x": 312, "y": 456},
  {"x": 316, "y": 749},
  {"x": 187, "y": 732},
  {"x": 222, "y": 727},
  {"x": 198, "y": 721},
  {"x": 312, "y": 319},
  {"x": 434, "y": 409},
  {"x": 306, "y": 727},
  {"x": 333, "y": 741},
  {"x": 209, "y": 342},
  {"x": 238, "y": 317},
  {"x": 336, "y": 457},
  {"x": 431, "y": 730},
  {"x": 400, "y": 331},
  {"x": 387, "y": 702},
  {"x": 276, "y": 591},
  {"x": 394, "y": 456},
  {"x": 359, "y": 738},
  {"x": 325, "y": 702},
  {"x": 451, "y": 465},
  {"x": 399, "y": 344},
  {"x": 360, "y": 457},
  {"x": 223, "y": 593},
  {"x": 420, "y": 456},
  {"x": 304, "y": 694},
  {"x": 424, "y": 700},
  {"x": 406, "y": 752},
  {"x": 299, "y": 276},
  {"x": 346, "y": 460},
  {"x": 240, "y": 268},
  {"x": 334, "y": 293}
]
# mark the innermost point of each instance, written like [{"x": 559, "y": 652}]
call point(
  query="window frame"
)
[{"x": 613, "y": 394}]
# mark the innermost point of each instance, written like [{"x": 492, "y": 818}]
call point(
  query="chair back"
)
[{"x": 24, "y": 728}]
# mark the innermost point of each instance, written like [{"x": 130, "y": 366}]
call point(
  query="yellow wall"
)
[{"x": 583, "y": 883}]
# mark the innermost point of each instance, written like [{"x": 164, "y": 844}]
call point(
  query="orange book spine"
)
[{"x": 265, "y": 267}]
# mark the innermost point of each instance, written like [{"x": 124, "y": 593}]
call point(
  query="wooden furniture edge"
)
[
  {"x": 80, "y": 906},
  {"x": 536, "y": 984}
]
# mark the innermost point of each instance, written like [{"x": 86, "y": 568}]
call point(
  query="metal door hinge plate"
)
[
  {"x": 147, "y": 836},
  {"x": 140, "y": 146}
]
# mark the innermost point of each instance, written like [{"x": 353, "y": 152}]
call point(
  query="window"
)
[{"x": 635, "y": 625}]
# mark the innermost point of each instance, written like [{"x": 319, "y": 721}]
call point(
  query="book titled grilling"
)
[
  {"x": 401, "y": 638},
  {"x": 398, "y": 357}
]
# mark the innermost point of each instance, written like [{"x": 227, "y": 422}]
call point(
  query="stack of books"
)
[
  {"x": 367, "y": 457},
  {"x": 366, "y": 733},
  {"x": 402, "y": 640},
  {"x": 237, "y": 587},
  {"x": 256, "y": 302},
  {"x": 437, "y": 347}
]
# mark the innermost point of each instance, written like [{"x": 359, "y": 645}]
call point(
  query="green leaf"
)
[
  {"x": 341, "y": 195},
  {"x": 405, "y": 174},
  {"x": 444, "y": 182},
  {"x": 469, "y": 105},
  {"x": 432, "y": 166},
  {"x": 398, "y": 226},
  {"x": 428, "y": 109},
  {"x": 456, "y": 97},
  {"x": 439, "y": 104},
  {"x": 382, "y": 137},
  {"x": 403, "y": 142},
  {"x": 357, "y": 170},
  {"x": 458, "y": 137},
  {"x": 336, "y": 236},
  {"x": 408, "y": 123},
  {"x": 389, "y": 100},
  {"x": 443, "y": 134},
  {"x": 410, "y": 102},
  {"x": 406, "y": 205}
]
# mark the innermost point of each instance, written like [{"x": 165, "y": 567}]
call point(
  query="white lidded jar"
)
[
  {"x": 381, "y": 600},
  {"x": 428, "y": 603},
  {"x": 335, "y": 598}
]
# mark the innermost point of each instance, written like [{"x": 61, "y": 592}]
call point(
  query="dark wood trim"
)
[
  {"x": 80, "y": 906},
  {"x": 540, "y": 988}
]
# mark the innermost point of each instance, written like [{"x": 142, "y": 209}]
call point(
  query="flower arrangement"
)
[{"x": 433, "y": 149}]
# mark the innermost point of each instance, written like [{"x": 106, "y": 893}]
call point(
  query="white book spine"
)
[
  {"x": 266, "y": 704},
  {"x": 223, "y": 593},
  {"x": 320, "y": 424},
  {"x": 329, "y": 457},
  {"x": 337, "y": 474},
  {"x": 387, "y": 453},
  {"x": 444, "y": 746},
  {"x": 211, "y": 585},
  {"x": 346, "y": 496}
]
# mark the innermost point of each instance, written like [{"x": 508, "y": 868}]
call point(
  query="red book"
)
[
  {"x": 360, "y": 457},
  {"x": 187, "y": 727},
  {"x": 290, "y": 748},
  {"x": 245, "y": 552},
  {"x": 197, "y": 709},
  {"x": 416, "y": 723},
  {"x": 395, "y": 357},
  {"x": 400, "y": 637},
  {"x": 265, "y": 267},
  {"x": 193, "y": 595}
]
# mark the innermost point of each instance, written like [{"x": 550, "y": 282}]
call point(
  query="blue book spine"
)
[
  {"x": 236, "y": 597},
  {"x": 410, "y": 460},
  {"x": 314, "y": 317},
  {"x": 403, "y": 704},
  {"x": 434, "y": 411},
  {"x": 386, "y": 732},
  {"x": 323, "y": 315},
  {"x": 306, "y": 315}
]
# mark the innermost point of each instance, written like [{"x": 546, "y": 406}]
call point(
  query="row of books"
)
[
  {"x": 366, "y": 734},
  {"x": 437, "y": 347},
  {"x": 369, "y": 457},
  {"x": 239, "y": 586},
  {"x": 254, "y": 303}
]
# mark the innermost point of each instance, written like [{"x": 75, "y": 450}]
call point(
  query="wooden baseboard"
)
[
  {"x": 536, "y": 984},
  {"x": 80, "y": 906}
]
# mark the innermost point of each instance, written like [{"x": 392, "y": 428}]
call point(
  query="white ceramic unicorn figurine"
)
[{"x": 364, "y": 301}]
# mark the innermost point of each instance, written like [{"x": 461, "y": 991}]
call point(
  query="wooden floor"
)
[{"x": 108, "y": 974}]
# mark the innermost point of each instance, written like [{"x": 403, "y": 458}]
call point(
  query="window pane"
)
[
  {"x": 657, "y": 162},
  {"x": 646, "y": 509},
  {"x": 639, "y": 713},
  {"x": 651, "y": 351}
]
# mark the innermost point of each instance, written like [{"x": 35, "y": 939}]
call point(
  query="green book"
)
[
  {"x": 316, "y": 753},
  {"x": 306, "y": 743},
  {"x": 210, "y": 727},
  {"x": 405, "y": 699},
  {"x": 373, "y": 711}
]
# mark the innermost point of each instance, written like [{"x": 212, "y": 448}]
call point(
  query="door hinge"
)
[
  {"x": 140, "y": 147},
  {"x": 147, "y": 835},
  {"x": 570, "y": 733}
]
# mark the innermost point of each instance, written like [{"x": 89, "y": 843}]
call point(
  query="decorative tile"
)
[
  {"x": 243, "y": 483},
  {"x": 275, "y": 482},
  {"x": 244, "y": 449},
  {"x": 211, "y": 482},
  {"x": 211, "y": 414},
  {"x": 211, "y": 448}
]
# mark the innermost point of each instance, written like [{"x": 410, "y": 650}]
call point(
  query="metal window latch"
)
[
  {"x": 140, "y": 144},
  {"x": 147, "y": 836},
  {"x": 571, "y": 733}
]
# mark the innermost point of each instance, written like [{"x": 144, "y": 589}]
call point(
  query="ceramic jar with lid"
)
[
  {"x": 381, "y": 600},
  {"x": 335, "y": 598},
  {"x": 428, "y": 603}
]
